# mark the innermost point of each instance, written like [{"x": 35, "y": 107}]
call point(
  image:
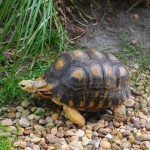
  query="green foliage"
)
[{"x": 31, "y": 36}]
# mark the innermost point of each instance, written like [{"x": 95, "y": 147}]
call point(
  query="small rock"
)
[
  {"x": 76, "y": 145},
  {"x": 38, "y": 127},
  {"x": 49, "y": 120},
  {"x": 131, "y": 139},
  {"x": 35, "y": 140},
  {"x": 28, "y": 148},
  {"x": 69, "y": 133},
  {"x": 74, "y": 138},
  {"x": 5, "y": 134},
  {"x": 31, "y": 116},
  {"x": 11, "y": 115},
  {"x": 88, "y": 134},
  {"x": 55, "y": 116},
  {"x": 129, "y": 103},
  {"x": 26, "y": 113},
  {"x": 108, "y": 136},
  {"x": 104, "y": 131},
  {"x": 36, "y": 147},
  {"x": 142, "y": 116},
  {"x": 20, "y": 108},
  {"x": 39, "y": 111},
  {"x": 18, "y": 114},
  {"x": 148, "y": 126},
  {"x": 85, "y": 141},
  {"x": 7, "y": 122},
  {"x": 105, "y": 144},
  {"x": 20, "y": 130},
  {"x": 65, "y": 147},
  {"x": 145, "y": 137},
  {"x": 126, "y": 144},
  {"x": 25, "y": 103},
  {"x": 53, "y": 139},
  {"x": 24, "y": 122},
  {"x": 42, "y": 122},
  {"x": 54, "y": 131},
  {"x": 97, "y": 126},
  {"x": 116, "y": 123},
  {"x": 147, "y": 144},
  {"x": 79, "y": 133},
  {"x": 95, "y": 142}
]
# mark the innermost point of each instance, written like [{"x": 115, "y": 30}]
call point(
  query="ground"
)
[{"x": 35, "y": 125}]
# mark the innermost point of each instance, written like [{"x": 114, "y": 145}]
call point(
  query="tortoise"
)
[{"x": 84, "y": 80}]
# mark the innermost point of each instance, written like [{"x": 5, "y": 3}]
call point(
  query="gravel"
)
[{"x": 46, "y": 127}]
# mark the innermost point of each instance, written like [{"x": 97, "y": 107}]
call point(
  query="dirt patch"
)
[{"x": 113, "y": 22}]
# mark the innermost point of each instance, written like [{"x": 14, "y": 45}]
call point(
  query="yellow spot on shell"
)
[
  {"x": 110, "y": 104},
  {"x": 82, "y": 103},
  {"x": 108, "y": 70},
  {"x": 100, "y": 105},
  {"x": 98, "y": 53},
  {"x": 59, "y": 64},
  {"x": 91, "y": 104},
  {"x": 122, "y": 72},
  {"x": 71, "y": 103},
  {"x": 96, "y": 70},
  {"x": 78, "y": 74},
  {"x": 77, "y": 53}
]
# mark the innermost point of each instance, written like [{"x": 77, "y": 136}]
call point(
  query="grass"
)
[
  {"x": 31, "y": 37},
  {"x": 133, "y": 53},
  {"x": 5, "y": 142}
]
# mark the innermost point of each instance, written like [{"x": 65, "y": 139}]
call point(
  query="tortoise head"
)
[{"x": 38, "y": 87}]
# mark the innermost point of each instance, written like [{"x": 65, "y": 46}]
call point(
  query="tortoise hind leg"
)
[
  {"x": 74, "y": 115},
  {"x": 119, "y": 112}
]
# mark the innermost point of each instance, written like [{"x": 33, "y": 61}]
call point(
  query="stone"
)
[
  {"x": 116, "y": 147},
  {"x": 88, "y": 133},
  {"x": 116, "y": 123},
  {"x": 42, "y": 122},
  {"x": 7, "y": 122},
  {"x": 85, "y": 141},
  {"x": 54, "y": 131},
  {"x": 11, "y": 115},
  {"x": 53, "y": 139},
  {"x": 28, "y": 148},
  {"x": 55, "y": 116},
  {"x": 69, "y": 133},
  {"x": 97, "y": 126},
  {"x": 38, "y": 127},
  {"x": 49, "y": 120},
  {"x": 142, "y": 116},
  {"x": 79, "y": 133},
  {"x": 31, "y": 116},
  {"x": 24, "y": 122},
  {"x": 35, "y": 140},
  {"x": 65, "y": 147},
  {"x": 76, "y": 145},
  {"x": 39, "y": 111},
  {"x": 74, "y": 138},
  {"x": 129, "y": 103},
  {"x": 36, "y": 147},
  {"x": 5, "y": 134},
  {"x": 18, "y": 114},
  {"x": 104, "y": 131},
  {"x": 95, "y": 143},
  {"x": 105, "y": 144},
  {"x": 126, "y": 144},
  {"x": 148, "y": 126},
  {"x": 20, "y": 130},
  {"x": 145, "y": 137},
  {"x": 109, "y": 136},
  {"x": 147, "y": 144},
  {"x": 25, "y": 103},
  {"x": 25, "y": 113},
  {"x": 20, "y": 108},
  {"x": 131, "y": 139}
]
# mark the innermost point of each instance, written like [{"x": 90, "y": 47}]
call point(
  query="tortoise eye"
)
[{"x": 22, "y": 85}]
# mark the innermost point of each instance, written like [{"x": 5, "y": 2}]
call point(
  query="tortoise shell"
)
[{"x": 88, "y": 79}]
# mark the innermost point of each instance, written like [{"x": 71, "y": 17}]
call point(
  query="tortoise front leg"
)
[
  {"x": 74, "y": 115},
  {"x": 119, "y": 112}
]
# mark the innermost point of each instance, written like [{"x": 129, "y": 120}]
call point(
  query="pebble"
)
[
  {"x": 19, "y": 108},
  {"x": 24, "y": 122},
  {"x": 25, "y": 103},
  {"x": 53, "y": 139},
  {"x": 79, "y": 133},
  {"x": 25, "y": 113},
  {"x": 85, "y": 141},
  {"x": 7, "y": 122},
  {"x": 54, "y": 131},
  {"x": 35, "y": 140},
  {"x": 126, "y": 144},
  {"x": 28, "y": 148},
  {"x": 95, "y": 142},
  {"x": 36, "y": 147},
  {"x": 129, "y": 103},
  {"x": 105, "y": 144},
  {"x": 65, "y": 147},
  {"x": 76, "y": 145},
  {"x": 147, "y": 144}
]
